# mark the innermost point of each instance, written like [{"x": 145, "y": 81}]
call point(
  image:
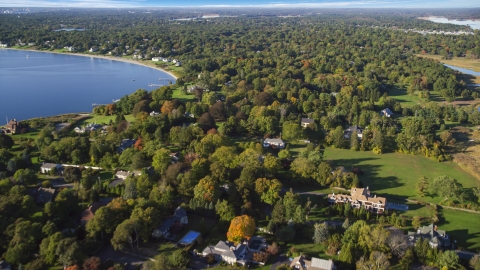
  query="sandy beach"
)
[{"x": 131, "y": 61}]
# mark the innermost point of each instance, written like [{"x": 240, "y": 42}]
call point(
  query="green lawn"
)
[
  {"x": 177, "y": 94},
  {"x": 395, "y": 174},
  {"x": 103, "y": 119},
  {"x": 461, "y": 226},
  {"x": 400, "y": 94}
]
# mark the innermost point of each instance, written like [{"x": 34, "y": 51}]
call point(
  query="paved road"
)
[
  {"x": 279, "y": 260},
  {"x": 107, "y": 252}
]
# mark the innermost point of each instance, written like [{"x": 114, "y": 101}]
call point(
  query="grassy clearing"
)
[
  {"x": 400, "y": 94},
  {"x": 463, "y": 227},
  {"x": 103, "y": 119},
  {"x": 177, "y": 94},
  {"x": 396, "y": 174}
]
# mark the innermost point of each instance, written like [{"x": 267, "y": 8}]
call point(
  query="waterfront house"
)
[
  {"x": 3, "y": 45},
  {"x": 12, "y": 126},
  {"x": 93, "y": 49}
]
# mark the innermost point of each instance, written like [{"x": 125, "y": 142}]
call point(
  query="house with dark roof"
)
[
  {"x": 436, "y": 238},
  {"x": 228, "y": 252},
  {"x": 350, "y": 130},
  {"x": 89, "y": 213},
  {"x": 116, "y": 182},
  {"x": 44, "y": 195},
  {"x": 126, "y": 143},
  {"x": 5, "y": 266},
  {"x": 302, "y": 263},
  {"x": 306, "y": 121},
  {"x": 386, "y": 112},
  {"x": 179, "y": 218},
  {"x": 360, "y": 197}
]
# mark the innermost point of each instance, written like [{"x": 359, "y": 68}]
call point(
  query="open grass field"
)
[
  {"x": 103, "y": 119},
  {"x": 396, "y": 174},
  {"x": 177, "y": 94},
  {"x": 462, "y": 226}
]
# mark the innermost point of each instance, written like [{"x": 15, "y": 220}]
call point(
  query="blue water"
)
[
  {"x": 471, "y": 23},
  {"x": 464, "y": 70},
  {"x": 37, "y": 84}
]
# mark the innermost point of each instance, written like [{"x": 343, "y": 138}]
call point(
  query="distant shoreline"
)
[{"x": 131, "y": 61}]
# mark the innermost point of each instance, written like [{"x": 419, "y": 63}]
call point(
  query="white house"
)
[
  {"x": 155, "y": 59},
  {"x": 274, "y": 142},
  {"x": 154, "y": 113},
  {"x": 3, "y": 45},
  {"x": 228, "y": 252},
  {"x": 47, "y": 167},
  {"x": 386, "y": 112},
  {"x": 93, "y": 49}
]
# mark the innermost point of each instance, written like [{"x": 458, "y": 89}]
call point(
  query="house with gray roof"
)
[
  {"x": 436, "y": 238},
  {"x": 278, "y": 143},
  {"x": 179, "y": 218},
  {"x": 44, "y": 195},
  {"x": 306, "y": 121},
  {"x": 302, "y": 263},
  {"x": 350, "y": 130},
  {"x": 228, "y": 252}
]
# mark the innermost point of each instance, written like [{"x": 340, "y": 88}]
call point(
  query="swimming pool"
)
[{"x": 189, "y": 238}]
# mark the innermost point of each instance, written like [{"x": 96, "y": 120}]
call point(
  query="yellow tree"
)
[
  {"x": 242, "y": 227},
  {"x": 206, "y": 189}
]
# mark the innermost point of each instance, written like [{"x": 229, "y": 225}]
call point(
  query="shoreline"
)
[{"x": 113, "y": 58}]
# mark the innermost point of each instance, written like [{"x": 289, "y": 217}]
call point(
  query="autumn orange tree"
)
[{"x": 240, "y": 228}]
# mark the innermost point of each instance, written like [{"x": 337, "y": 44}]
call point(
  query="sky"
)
[{"x": 244, "y": 3}]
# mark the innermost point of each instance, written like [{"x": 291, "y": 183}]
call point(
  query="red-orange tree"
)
[{"x": 240, "y": 228}]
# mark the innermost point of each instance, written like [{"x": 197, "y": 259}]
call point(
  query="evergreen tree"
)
[
  {"x": 346, "y": 254},
  {"x": 346, "y": 224},
  {"x": 130, "y": 191},
  {"x": 278, "y": 213},
  {"x": 320, "y": 233}
]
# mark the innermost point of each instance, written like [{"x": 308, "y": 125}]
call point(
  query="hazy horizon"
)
[{"x": 240, "y": 4}]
